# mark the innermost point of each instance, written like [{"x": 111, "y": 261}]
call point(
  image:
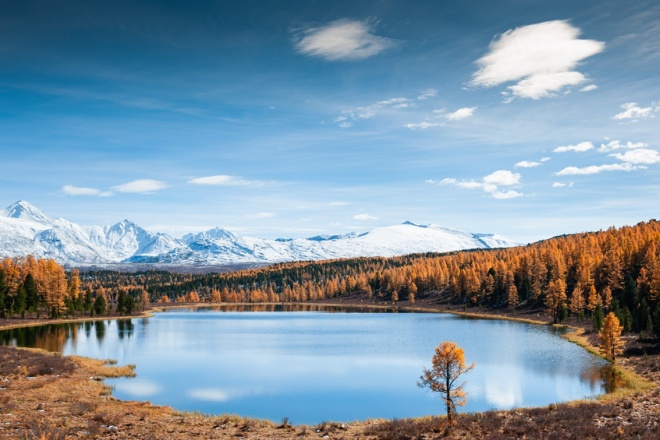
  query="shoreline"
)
[{"x": 637, "y": 386}]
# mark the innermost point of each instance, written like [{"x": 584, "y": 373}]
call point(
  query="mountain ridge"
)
[{"x": 25, "y": 229}]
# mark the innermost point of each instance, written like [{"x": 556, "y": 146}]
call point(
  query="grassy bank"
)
[{"x": 44, "y": 395}]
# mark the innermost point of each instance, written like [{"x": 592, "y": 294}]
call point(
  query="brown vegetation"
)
[{"x": 61, "y": 397}]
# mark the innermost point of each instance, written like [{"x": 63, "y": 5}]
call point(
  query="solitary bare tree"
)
[{"x": 448, "y": 366}]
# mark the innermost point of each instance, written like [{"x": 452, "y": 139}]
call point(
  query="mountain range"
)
[{"x": 25, "y": 229}]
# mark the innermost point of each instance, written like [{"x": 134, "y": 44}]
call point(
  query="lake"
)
[{"x": 313, "y": 366}]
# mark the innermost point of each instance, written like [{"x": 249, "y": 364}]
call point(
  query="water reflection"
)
[
  {"x": 125, "y": 327},
  {"x": 315, "y": 366}
]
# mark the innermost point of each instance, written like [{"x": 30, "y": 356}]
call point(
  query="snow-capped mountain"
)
[{"x": 24, "y": 229}]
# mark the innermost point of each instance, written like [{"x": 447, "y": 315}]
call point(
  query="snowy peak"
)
[
  {"x": 211, "y": 234},
  {"x": 24, "y": 229},
  {"x": 26, "y": 211}
]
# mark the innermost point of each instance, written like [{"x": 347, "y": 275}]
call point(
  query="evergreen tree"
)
[
  {"x": 32, "y": 298},
  {"x": 88, "y": 301},
  {"x": 20, "y": 301},
  {"x": 642, "y": 319},
  {"x": 656, "y": 320},
  {"x": 99, "y": 305},
  {"x": 3, "y": 295},
  {"x": 598, "y": 318}
]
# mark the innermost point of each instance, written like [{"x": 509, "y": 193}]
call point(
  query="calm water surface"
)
[{"x": 314, "y": 366}]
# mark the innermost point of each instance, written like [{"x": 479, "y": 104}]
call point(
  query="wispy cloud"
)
[
  {"x": 491, "y": 184},
  {"x": 633, "y": 112},
  {"x": 618, "y": 145},
  {"x": 144, "y": 186},
  {"x": 527, "y": 164},
  {"x": 348, "y": 117},
  {"x": 364, "y": 217},
  {"x": 427, "y": 94},
  {"x": 226, "y": 180},
  {"x": 342, "y": 40},
  {"x": 72, "y": 190},
  {"x": 589, "y": 88},
  {"x": 541, "y": 58},
  {"x": 432, "y": 121},
  {"x": 461, "y": 113},
  {"x": 595, "y": 169},
  {"x": 422, "y": 125},
  {"x": 562, "y": 185},
  {"x": 638, "y": 156},
  {"x": 577, "y": 148}
]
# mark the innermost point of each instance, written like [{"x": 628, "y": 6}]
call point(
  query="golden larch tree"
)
[
  {"x": 448, "y": 365},
  {"x": 611, "y": 344}
]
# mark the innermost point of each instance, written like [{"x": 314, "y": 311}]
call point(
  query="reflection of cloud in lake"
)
[
  {"x": 503, "y": 394},
  {"x": 138, "y": 388},
  {"x": 220, "y": 395}
]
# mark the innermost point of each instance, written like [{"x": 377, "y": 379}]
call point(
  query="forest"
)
[{"x": 583, "y": 275}]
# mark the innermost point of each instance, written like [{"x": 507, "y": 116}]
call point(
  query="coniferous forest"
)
[{"x": 583, "y": 275}]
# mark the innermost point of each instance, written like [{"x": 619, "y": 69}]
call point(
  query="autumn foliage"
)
[
  {"x": 448, "y": 365},
  {"x": 36, "y": 286},
  {"x": 611, "y": 344},
  {"x": 617, "y": 270}
]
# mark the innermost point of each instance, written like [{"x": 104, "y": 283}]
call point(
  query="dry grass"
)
[
  {"x": 32, "y": 363},
  {"x": 105, "y": 367},
  {"x": 48, "y": 396}
]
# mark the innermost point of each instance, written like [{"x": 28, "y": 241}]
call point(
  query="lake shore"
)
[{"x": 62, "y": 397}]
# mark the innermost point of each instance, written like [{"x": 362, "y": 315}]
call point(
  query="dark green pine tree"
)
[
  {"x": 20, "y": 301},
  {"x": 598, "y": 318},
  {"x": 32, "y": 297},
  {"x": 3, "y": 295}
]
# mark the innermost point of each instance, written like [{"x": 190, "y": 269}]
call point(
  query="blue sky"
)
[{"x": 291, "y": 119}]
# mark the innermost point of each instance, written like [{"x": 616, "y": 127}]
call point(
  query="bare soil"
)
[{"x": 47, "y": 396}]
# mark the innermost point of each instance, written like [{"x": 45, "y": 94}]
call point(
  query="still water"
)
[{"x": 312, "y": 366}]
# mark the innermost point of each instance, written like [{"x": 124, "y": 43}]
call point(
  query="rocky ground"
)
[{"x": 47, "y": 396}]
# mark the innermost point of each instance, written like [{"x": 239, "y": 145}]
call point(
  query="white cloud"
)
[
  {"x": 562, "y": 185},
  {"x": 82, "y": 191},
  {"x": 638, "y": 156},
  {"x": 527, "y": 164},
  {"x": 502, "y": 178},
  {"x": 461, "y": 113},
  {"x": 617, "y": 145},
  {"x": 589, "y": 88},
  {"x": 224, "y": 180},
  {"x": 422, "y": 125},
  {"x": 634, "y": 112},
  {"x": 342, "y": 40},
  {"x": 506, "y": 194},
  {"x": 541, "y": 58},
  {"x": 490, "y": 184},
  {"x": 426, "y": 94},
  {"x": 595, "y": 169},
  {"x": 578, "y": 148},
  {"x": 545, "y": 159},
  {"x": 144, "y": 186},
  {"x": 543, "y": 85},
  {"x": 364, "y": 217}
]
